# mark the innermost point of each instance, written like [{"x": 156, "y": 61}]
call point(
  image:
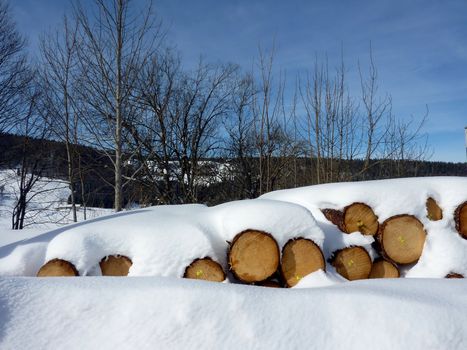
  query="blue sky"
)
[{"x": 420, "y": 47}]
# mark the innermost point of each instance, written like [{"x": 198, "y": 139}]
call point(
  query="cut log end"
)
[
  {"x": 402, "y": 238},
  {"x": 360, "y": 217},
  {"x": 115, "y": 265},
  {"x": 460, "y": 217},
  {"x": 58, "y": 268},
  {"x": 253, "y": 256},
  {"x": 353, "y": 263},
  {"x": 433, "y": 210},
  {"x": 300, "y": 257},
  {"x": 384, "y": 269},
  {"x": 334, "y": 216},
  {"x": 454, "y": 275},
  {"x": 205, "y": 269}
]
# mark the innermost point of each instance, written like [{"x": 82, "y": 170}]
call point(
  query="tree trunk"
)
[{"x": 118, "y": 111}]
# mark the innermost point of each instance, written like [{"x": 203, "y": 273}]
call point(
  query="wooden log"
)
[
  {"x": 270, "y": 284},
  {"x": 360, "y": 217},
  {"x": 58, "y": 268},
  {"x": 402, "y": 238},
  {"x": 384, "y": 269},
  {"x": 300, "y": 257},
  {"x": 115, "y": 265},
  {"x": 460, "y": 217},
  {"x": 454, "y": 275},
  {"x": 335, "y": 216},
  {"x": 253, "y": 256},
  {"x": 205, "y": 269},
  {"x": 433, "y": 210},
  {"x": 353, "y": 263}
]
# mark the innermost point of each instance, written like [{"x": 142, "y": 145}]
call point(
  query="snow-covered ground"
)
[
  {"x": 48, "y": 207},
  {"x": 165, "y": 311},
  {"x": 168, "y": 313}
]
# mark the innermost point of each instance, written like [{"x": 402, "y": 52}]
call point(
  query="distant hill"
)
[{"x": 213, "y": 188}]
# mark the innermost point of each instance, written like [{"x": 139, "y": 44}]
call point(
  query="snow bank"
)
[
  {"x": 444, "y": 251},
  {"x": 167, "y": 313},
  {"x": 161, "y": 241}
]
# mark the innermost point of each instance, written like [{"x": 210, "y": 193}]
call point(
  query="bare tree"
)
[
  {"x": 58, "y": 77},
  {"x": 202, "y": 100},
  {"x": 116, "y": 44},
  {"x": 31, "y": 166},
  {"x": 378, "y": 112},
  {"x": 14, "y": 72}
]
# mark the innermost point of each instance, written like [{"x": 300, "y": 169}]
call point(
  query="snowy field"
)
[
  {"x": 158, "y": 309},
  {"x": 48, "y": 207}
]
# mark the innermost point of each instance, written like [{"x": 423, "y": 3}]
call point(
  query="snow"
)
[
  {"x": 154, "y": 308},
  {"x": 48, "y": 206},
  {"x": 169, "y": 313}
]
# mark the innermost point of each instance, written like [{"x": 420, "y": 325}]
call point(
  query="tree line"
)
[{"x": 108, "y": 81}]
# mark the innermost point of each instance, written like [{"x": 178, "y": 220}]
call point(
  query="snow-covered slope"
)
[{"x": 165, "y": 313}]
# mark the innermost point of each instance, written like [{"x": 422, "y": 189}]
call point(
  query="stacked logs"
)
[
  {"x": 399, "y": 239},
  {"x": 254, "y": 257}
]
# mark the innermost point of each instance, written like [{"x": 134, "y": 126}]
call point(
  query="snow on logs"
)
[
  {"x": 402, "y": 238},
  {"x": 205, "y": 269},
  {"x": 355, "y": 217},
  {"x": 353, "y": 263},
  {"x": 253, "y": 256},
  {"x": 384, "y": 269},
  {"x": 460, "y": 217},
  {"x": 115, "y": 265},
  {"x": 300, "y": 257},
  {"x": 58, "y": 268}
]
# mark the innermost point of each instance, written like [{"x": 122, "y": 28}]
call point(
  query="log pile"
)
[
  {"x": 399, "y": 240},
  {"x": 254, "y": 257}
]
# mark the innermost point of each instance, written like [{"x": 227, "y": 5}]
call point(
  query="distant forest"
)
[{"x": 219, "y": 180}]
